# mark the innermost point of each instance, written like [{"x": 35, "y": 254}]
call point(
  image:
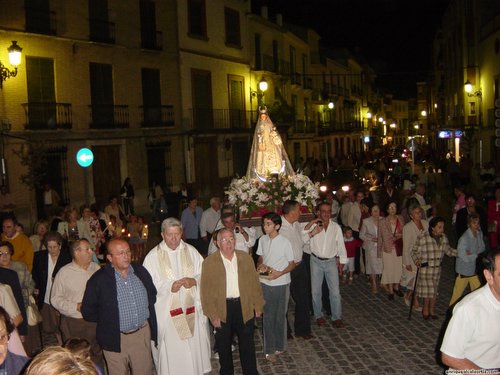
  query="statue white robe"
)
[{"x": 176, "y": 356}]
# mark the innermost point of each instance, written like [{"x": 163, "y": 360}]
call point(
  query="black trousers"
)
[
  {"x": 300, "y": 290},
  {"x": 357, "y": 259},
  {"x": 224, "y": 337}
]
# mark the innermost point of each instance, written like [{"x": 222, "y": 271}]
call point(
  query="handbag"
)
[
  {"x": 398, "y": 244},
  {"x": 34, "y": 315}
]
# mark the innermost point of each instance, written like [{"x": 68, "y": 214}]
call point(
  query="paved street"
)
[{"x": 377, "y": 339}]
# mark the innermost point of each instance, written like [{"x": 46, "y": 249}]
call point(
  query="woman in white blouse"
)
[{"x": 369, "y": 234}]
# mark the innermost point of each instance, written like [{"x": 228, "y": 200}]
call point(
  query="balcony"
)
[
  {"x": 157, "y": 116},
  {"x": 303, "y": 127},
  {"x": 210, "y": 118},
  {"x": 40, "y": 21},
  {"x": 326, "y": 128},
  {"x": 152, "y": 40},
  {"x": 47, "y": 116},
  {"x": 102, "y": 31},
  {"x": 109, "y": 116}
]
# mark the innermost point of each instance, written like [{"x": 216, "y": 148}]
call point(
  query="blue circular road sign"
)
[{"x": 84, "y": 157}]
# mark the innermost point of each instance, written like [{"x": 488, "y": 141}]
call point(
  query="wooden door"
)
[{"x": 106, "y": 172}]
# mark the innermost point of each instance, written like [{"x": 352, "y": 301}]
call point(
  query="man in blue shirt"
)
[
  {"x": 190, "y": 219},
  {"x": 120, "y": 297}
]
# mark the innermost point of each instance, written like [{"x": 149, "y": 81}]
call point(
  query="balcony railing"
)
[
  {"x": 40, "y": 21},
  {"x": 157, "y": 116},
  {"x": 209, "y": 118},
  {"x": 152, "y": 40},
  {"x": 303, "y": 127},
  {"x": 325, "y": 128},
  {"x": 47, "y": 116},
  {"x": 108, "y": 116},
  {"x": 102, "y": 31}
]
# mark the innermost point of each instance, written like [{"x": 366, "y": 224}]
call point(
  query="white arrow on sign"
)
[{"x": 85, "y": 157}]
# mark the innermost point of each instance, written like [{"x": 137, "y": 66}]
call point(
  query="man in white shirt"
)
[
  {"x": 300, "y": 285},
  {"x": 209, "y": 221},
  {"x": 244, "y": 236},
  {"x": 328, "y": 256},
  {"x": 471, "y": 341},
  {"x": 67, "y": 295},
  {"x": 419, "y": 196}
]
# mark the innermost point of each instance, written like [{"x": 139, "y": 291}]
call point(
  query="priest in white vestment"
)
[{"x": 183, "y": 331}]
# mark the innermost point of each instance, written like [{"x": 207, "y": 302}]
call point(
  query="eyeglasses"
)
[
  {"x": 121, "y": 253},
  {"x": 4, "y": 253},
  {"x": 226, "y": 240},
  {"x": 4, "y": 338}
]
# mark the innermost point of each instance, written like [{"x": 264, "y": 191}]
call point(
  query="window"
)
[
  {"x": 151, "y": 97},
  {"x": 41, "y": 109},
  {"x": 258, "y": 53},
  {"x": 197, "y": 18},
  {"x": 150, "y": 38},
  {"x": 101, "y": 95},
  {"x": 39, "y": 18},
  {"x": 101, "y": 30},
  {"x": 201, "y": 81},
  {"x": 232, "y": 19},
  {"x": 276, "y": 57}
]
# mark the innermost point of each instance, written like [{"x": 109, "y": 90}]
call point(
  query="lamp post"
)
[{"x": 14, "y": 59}]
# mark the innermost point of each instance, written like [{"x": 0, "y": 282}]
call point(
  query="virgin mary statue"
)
[{"x": 268, "y": 156}]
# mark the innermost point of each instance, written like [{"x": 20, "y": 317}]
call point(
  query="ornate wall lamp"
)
[
  {"x": 14, "y": 59},
  {"x": 468, "y": 90},
  {"x": 259, "y": 94}
]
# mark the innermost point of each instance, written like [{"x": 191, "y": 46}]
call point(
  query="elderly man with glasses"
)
[{"x": 120, "y": 297}]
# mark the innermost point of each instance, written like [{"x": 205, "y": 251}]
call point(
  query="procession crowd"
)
[{"x": 198, "y": 293}]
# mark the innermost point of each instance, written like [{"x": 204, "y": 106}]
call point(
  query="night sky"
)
[{"x": 394, "y": 36}]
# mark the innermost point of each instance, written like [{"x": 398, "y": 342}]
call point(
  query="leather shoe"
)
[
  {"x": 321, "y": 321},
  {"x": 338, "y": 323},
  {"x": 289, "y": 336},
  {"x": 426, "y": 317},
  {"x": 305, "y": 337},
  {"x": 391, "y": 297}
]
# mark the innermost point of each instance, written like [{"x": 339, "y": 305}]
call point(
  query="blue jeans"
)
[{"x": 325, "y": 269}]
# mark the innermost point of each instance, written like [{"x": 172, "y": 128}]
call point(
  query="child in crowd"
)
[
  {"x": 80, "y": 348},
  {"x": 134, "y": 229},
  {"x": 351, "y": 244},
  {"x": 274, "y": 265}
]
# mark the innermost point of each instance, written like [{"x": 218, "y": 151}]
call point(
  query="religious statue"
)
[{"x": 268, "y": 156}]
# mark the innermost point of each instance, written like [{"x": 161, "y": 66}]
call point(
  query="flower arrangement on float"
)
[{"x": 255, "y": 197}]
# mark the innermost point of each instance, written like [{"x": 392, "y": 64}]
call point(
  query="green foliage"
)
[{"x": 34, "y": 158}]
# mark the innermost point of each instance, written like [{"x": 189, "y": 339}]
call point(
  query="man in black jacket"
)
[
  {"x": 120, "y": 297},
  {"x": 46, "y": 265}
]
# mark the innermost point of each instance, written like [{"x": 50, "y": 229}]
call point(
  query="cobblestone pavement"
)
[{"x": 377, "y": 338}]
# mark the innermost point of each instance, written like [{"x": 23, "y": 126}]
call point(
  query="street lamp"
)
[
  {"x": 14, "y": 59},
  {"x": 259, "y": 94},
  {"x": 468, "y": 90},
  {"x": 331, "y": 105}
]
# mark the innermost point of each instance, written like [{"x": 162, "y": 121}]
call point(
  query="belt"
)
[
  {"x": 236, "y": 299},
  {"x": 465, "y": 277},
  {"x": 134, "y": 330},
  {"x": 314, "y": 255}
]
